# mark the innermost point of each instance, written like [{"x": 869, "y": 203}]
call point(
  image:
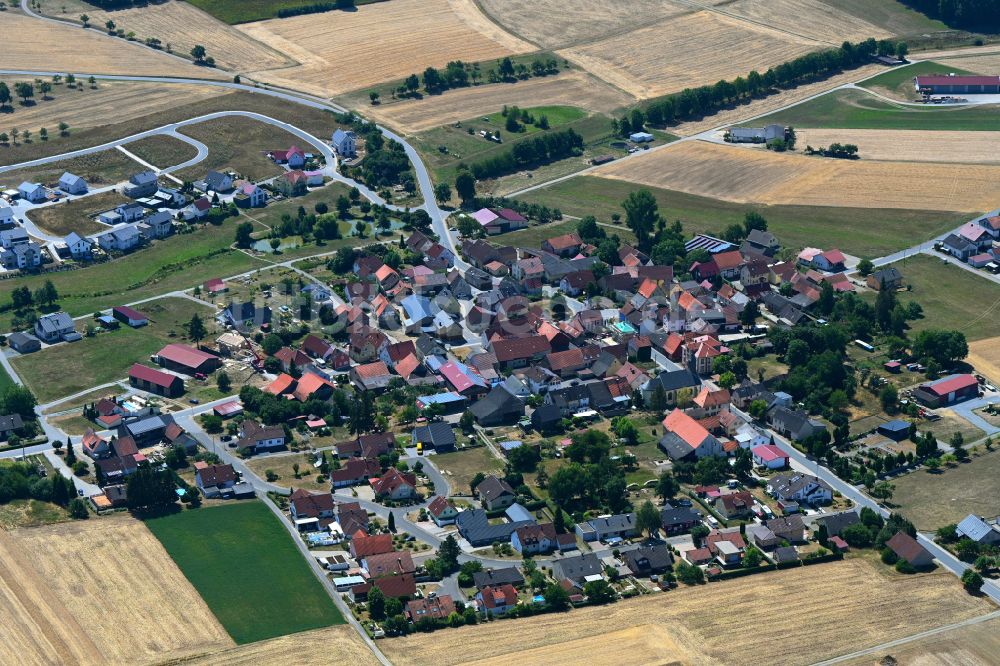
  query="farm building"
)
[
  {"x": 640, "y": 137},
  {"x": 756, "y": 134},
  {"x": 188, "y": 359},
  {"x": 951, "y": 84},
  {"x": 947, "y": 390},
  {"x": 897, "y": 430},
  {"x": 155, "y": 381},
  {"x": 129, "y": 316}
]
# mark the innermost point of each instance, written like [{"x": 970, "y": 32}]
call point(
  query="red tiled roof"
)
[
  {"x": 156, "y": 377},
  {"x": 129, "y": 313},
  {"x": 834, "y": 256},
  {"x": 407, "y": 366},
  {"x": 520, "y": 348},
  {"x": 685, "y": 427},
  {"x": 945, "y": 80},
  {"x": 309, "y": 384},
  {"x": 283, "y": 384},
  {"x": 370, "y": 370},
  {"x": 184, "y": 355},
  {"x": 564, "y": 242},
  {"x": 363, "y": 545},
  {"x": 949, "y": 384},
  {"x": 438, "y": 505}
]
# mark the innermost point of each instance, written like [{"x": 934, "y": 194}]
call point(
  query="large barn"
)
[{"x": 949, "y": 84}]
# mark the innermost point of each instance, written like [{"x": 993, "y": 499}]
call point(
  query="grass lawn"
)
[
  {"x": 104, "y": 168},
  {"x": 460, "y": 466},
  {"x": 30, "y": 513},
  {"x": 162, "y": 151},
  {"x": 283, "y": 466},
  {"x": 892, "y": 15},
  {"x": 898, "y": 82},
  {"x": 856, "y": 109},
  {"x": 239, "y": 144},
  {"x": 466, "y": 148},
  {"x": 934, "y": 500},
  {"x": 69, "y": 368},
  {"x": 244, "y": 11},
  {"x": 5, "y": 380},
  {"x": 72, "y": 424},
  {"x": 76, "y": 215},
  {"x": 246, "y": 568},
  {"x": 951, "y": 297},
  {"x": 179, "y": 262},
  {"x": 850, "y": 229}
]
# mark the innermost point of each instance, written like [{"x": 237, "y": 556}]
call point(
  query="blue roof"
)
[
  {"x": 511, "y": 445},
  {"x": 417, "y": 307},
  {"x": 440, "y": 398},
  {"x": 515, "y": 512}
]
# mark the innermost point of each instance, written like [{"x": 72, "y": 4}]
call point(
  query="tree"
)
[
  {"x": 882, "y": 490},
  {"x": 223, "y": 381},
  {"x": 374, "y": 97},
  {"x": 689, "y": 574},
  {"x": 641, "y": 216},
  {"x": 448, "y": 554},
  {"x": 599, "y": 592},
  {"x": 151, "y": 490},
  {"x": 658, "y": 401},
  {"x": 85, "y": 20},
  {"x": 857, "y": 535},
  {"x": 866, "y": 267},
  {"x": 758, "y": 409},
  {"x": 889, "y": 397},
  {"x": 752, "y": 558},
  {"x": 196, "y": 328},
  {"x": 647, "y": 519},
  {"x": 45, "y": 87},
  {"x": 465, "y": 186},
  {"x": 727, "y": 380},
  {"x": 972, "y": 581},
  {"x": 556, "y": 598},
  {"x": 24, "y": 90},
  {"x": 78, "y": 509},
  {"x": 198, "y": 53},
  {"x": 18, "y": 400},
  {"x": 5, "y": 97},
  {"x": 667, "y": 486},
  {"x": 110, "y": 25},
  {"x": 391, "y": 524},
  {"x": 244, "y": 231},
  {"x": 442, "y": 192},
  {"x": 376, "y": 604}
]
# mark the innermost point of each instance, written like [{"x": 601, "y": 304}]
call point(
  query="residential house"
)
[
  {"x": 671, "y": 381},
  {"x": 55, "y": 327},
  {"x": 353, "y": 472},
  {"x": 769, "y": 456},
  {"x": 23, "y": 256},
  {"x": 10, "y": 238},
  {"x": 94, "y": 446},
  {"x": 363, "y": 546},
  {"x": 497, "y": 577},
  {"x": 216, "y": 181},
  {"x": 292, "y": 183},
  {"x": 437, "y": 435},
  {"x": 495, "y": 493},
  {"x": 800, "y": 488},
  {"x": 249, "y": 195},
  {"x": 197, "y": 209},
  {"x": 734, "y": 505},
  {"x": 79, "y": 247},
  {"x": 33, "y": 192},
  {"x": 498, "y": 221},
  {"x": 72, "y": 184},
  {"x": 684, "y": 437},
  {"x": 255, "y": 437},
  {"x": 214, "y": 480},
  {"x": 311, "y": 509},
  {"x": 498, "y": 407},
  {"x": 389, "y": 564},
  {"x": 830, "y": 261},
  {"x": 9, "y": 424},
  {"x": 345, "y": 143},
  {"x": 677, "y": 520},
  {"x": 793, "y": 423},
  {"x": 906, "y": 548},
  {"x": 395, "y": 485},
  {"x": 576, "y": 282},
  {"x": 373, "y": 376},
  {"x": 475, "y": 527},
  {"x": 294, "y": 157},
  {"x": 520, "y": 352},
  {"x": 246, "y": 315},
  {"x": 788, "y": 528},
  {"x": 7, "y": 219},
  {"x": 620, "y": 526},
  {"x": 649, "y": 560},
  {"x": 438, "y": 608},
  {"x": 442, "y": 511},
  {"x": 121, "y": 239},
  {"x": 496, "y": 600},
  {"x": 959, "y": 247},
  {"x": 565, "y": 245},
  {"x": 885, "y": 278},
  {"x": 835, "y": 523},
  {"x": 976, "y": 528},
  {"x": 534, "y": 539},
  {"x": 142, "y": 184},
  {"x": 578, "y": 568}
]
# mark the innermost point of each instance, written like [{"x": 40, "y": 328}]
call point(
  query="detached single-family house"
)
[
  {"x": 23, "y": 256},
  {"x": 120, "y": 239},
  {"x": 442, "y": 511},
  {"x": 294, "y": 157},
  {"x": 534, "y": 539},
  {"x": 975, "y": 528},
  {"x": 255, "y": 438},
  {"x": 496, "y": 600},
  {"x": 885, "y": 278},
  {"x": 906, "y": 548},
  {"x": 676, "y": 520},
  {"x": 80, "y": 247},
  {"x": 395, "y": 485},
  {"x": 216, "y": 181},
  {"x": 345, "y": 142},
  {"x": 72, "y": 184},
  {"x": 495, "y": 493},
  {"x": 793, "y": 423},
  {"x": 33, "y": 192},
  {"x": 309, "y": 509},
  {"x": 142, "y": 184},
  {"x": 790, "y": 528},
  {"x": 683, "y": 437},
  {"x": 249, "y": 195},
  {"x": 620, "y": 526},
  {"x": 55, "y": 327},
  {"x": 6, "y": 216},
  {"x": 800, "y": 488},
  {"x": 214, "y": 480},
  {"x": 769, "y": 456},
  {"x": 734, "y": 505},
  {"x": 437, "y": 435}
]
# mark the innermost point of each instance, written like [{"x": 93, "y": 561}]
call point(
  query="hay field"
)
[
  {"x": 809, "y": 19},
  {"x": 83, "y": 107},
  {"x": 97, "y": 592},
  {"x": 333, "y": 645},
  {"x": 757, "y": 107},
  {"x": 974, "y": 645},
  {"x": 984, "y": 355},
  {"x": 569, "y": 88},
  {"x": 182, "y": 26},
  {"x": 911, "y": 145},
  {"x": 709, "y": 624},
  {"x": 34, "y": 44},
  {"x": 759, "y": 176},
  {"x": 342, "y": 51},
  {"x": 691, "y": 50},
  {"x": 554, "y": 24}
]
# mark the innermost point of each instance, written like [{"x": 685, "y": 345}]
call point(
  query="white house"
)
[
  {"x": 798, "y": 487},
  {"x": 345, "y": 142},
  {"x": 121, "y": 239},
  {"x": 79, "y": 246},
  {"x": 32, "y": 192},
  {"x": 72, "y": 184},
  {"x": 6, "y": 216},
  {"x": 756, "y": 134},
  {"x": 23, "y": 256},
  {"x": 769, "y": 456},
  {"x": 11, "y": 237}
]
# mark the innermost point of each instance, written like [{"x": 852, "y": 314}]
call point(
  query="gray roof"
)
[
  {"x": 678, "y": 516},
  {"x": 498, "y": 403},
  {"x": 617, "y": 523},
  {"x": 71, "y": 179},
  {"x": 417, "y": 307},
  {"x": 215, "y": 180},
  {"x": 127, "y": 232},
  {"x": 648, "y": 559},
  {"x": 493, "y": 487},
  {"x": 785, "y": 554},
  {"x": 15, "y": 235},
  {"x": 762, "y": 238},
  {"x": 19, "y": 338},
  {"x": 437, "y": 434},
  {"x": 836, "y": 523},
  {"x": 506, "y": 576},
  {"x": 516, "y": 512},
  {"x": 974, "y": 527},
  {"x": 142, "y": 178},
  {"x": 784, "y": 485},
  {"x": 887, "y": 275},
  {"x": 671, "y": 380},
  {"x": 10, "y": 422},
  {"x": 57, "y": 321},
  {"x": 159, "y": 217},
  {"x": 144, "y": 425},
  {"x": 474, "y": 525},
  {"x": 577, "y": 567},
  {"x": 72, "y": 238}
]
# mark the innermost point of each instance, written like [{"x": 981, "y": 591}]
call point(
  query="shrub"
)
[{"x": 904, "y": 567}]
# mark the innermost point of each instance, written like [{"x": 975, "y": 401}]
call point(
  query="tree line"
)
[
  {"x": 458, "y": 74},
  {"x": 315, "y": 8},
  {"x": 531, "y": 152},
  {"x": 705, "y": 100},
  {"x": 975, "y": 15}
]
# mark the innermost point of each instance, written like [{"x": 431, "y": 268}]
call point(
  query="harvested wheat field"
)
[
  {"x": 839, "y": 599},
  {"x": 333, "y": 645},
  {"x": 183, "y": 26},
  {"x": 555, "y": 24},
  {"x": 809, "y": 19},
  {"x": 984, "y": 356},
  {"x": 99, "y": 591},
  {"x": 743, "y": 175},
  {"x": 36, "y": 44},
  {"x": 342, "y": 51},
  {"x": 911, "y": 145},
  {"x": 974, "y": 645},
  {"x": 569, "y": 88},
  {"x": 691, "y": 50},
  {"x": 758, "y": 107},
  {"x": 85, "y": 107}
]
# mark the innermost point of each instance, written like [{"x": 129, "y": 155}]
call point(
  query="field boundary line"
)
[{"x": 909, "y": 639}]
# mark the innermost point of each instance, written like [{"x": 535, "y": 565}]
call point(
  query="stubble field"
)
[
  {"x": 911, "y": 145},
  {"x": 97, "y": 592},
  {"x": 333, "y": 645},
  {"x": 33, "y": 44},
  {"x": 984, "y": 355},
  {"x": 343, "y": 51},
  {"x": 740, "y": 175},
  {"x": 569, "y": 88},
  {"x": 838, "y": 598},
  {"x": 935, "y": 500},
  {"x": 974, "y": 645},
  {"x": 84, "y": 107},
  {"x": 183, "y": 26}
]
